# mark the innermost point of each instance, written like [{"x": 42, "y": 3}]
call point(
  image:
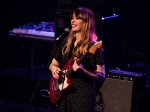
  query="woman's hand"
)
[
  {"x": 56, "y": 73},
  {"x": 55, "y": 70},
  {"x": 77, "y": 67}
]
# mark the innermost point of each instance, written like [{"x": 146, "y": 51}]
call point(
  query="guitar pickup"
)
[{"x": 56, "y": 86}]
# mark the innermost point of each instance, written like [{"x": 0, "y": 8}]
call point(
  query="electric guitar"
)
[{"x": 57, "y": 86}]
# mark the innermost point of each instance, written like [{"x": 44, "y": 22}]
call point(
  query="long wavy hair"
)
[{"x": 88, "y": 31}]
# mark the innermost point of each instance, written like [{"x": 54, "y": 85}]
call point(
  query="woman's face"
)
[{"x": 76, "y": 23}]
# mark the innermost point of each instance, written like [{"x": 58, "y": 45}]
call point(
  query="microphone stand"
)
[
  {"x": 36, "y": 90},
  {"x": 140, "y": 93}
]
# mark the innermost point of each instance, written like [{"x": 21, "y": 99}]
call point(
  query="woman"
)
[{"x": 86, "y": 67}]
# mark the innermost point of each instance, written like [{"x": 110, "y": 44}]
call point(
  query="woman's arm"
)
[{"x": 98, "y": 74}]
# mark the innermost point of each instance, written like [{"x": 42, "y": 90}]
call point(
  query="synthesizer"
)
[{"x": 33, "y": 32}]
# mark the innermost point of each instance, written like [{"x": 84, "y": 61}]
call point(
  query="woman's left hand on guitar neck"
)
[{"x": 77, "y": 67}]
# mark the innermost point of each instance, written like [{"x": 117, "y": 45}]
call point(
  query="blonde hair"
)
[{"x": 88, "y": 32}]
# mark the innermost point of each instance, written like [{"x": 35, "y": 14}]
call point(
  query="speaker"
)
[
  {"x": 121, "y": 90},
  {"x": 62, "y": 21}
]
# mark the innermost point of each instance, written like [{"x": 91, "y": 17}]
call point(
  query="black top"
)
[{"x": 81, "y": 96}]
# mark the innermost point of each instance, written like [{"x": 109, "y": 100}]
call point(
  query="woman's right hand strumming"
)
[
  {"x": 55, "y": 70},
  {"x": 56, "y": 73}
]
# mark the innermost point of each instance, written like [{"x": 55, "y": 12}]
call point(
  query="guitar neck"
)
[
  {"x": 91, "y": 50},
  {"x": 69, "y": 71}
]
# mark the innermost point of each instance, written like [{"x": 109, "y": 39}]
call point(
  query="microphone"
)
[{"x": 67, "y": 30}]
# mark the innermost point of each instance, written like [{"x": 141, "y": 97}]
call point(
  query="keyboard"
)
[{"x": 33, "y": 32}]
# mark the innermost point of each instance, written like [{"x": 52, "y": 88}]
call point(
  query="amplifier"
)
[{"x": 121, "y": 90}]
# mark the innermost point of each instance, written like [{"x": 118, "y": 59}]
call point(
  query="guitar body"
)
[{"x": 57, "y": 86}]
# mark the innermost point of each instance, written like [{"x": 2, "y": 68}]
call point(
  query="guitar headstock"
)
[{"x": 94, "y": 47}]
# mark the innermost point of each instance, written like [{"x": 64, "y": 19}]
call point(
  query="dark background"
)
[
  {"x": 122, "y": 35},
  {"x": 133, "y": 15}
]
